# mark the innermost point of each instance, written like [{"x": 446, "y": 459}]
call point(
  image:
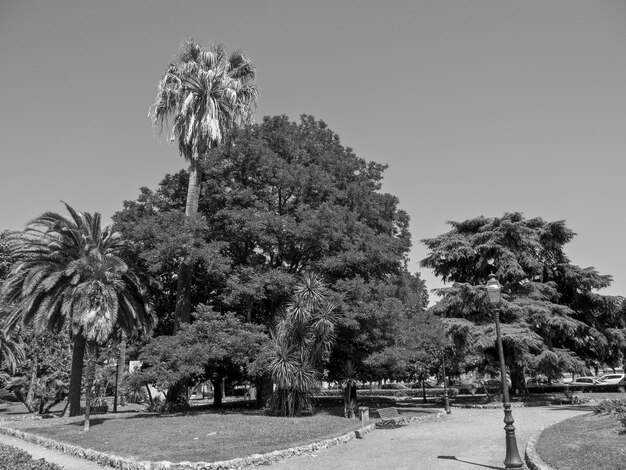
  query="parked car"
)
[
  {"x": 611, "y": 378},
  {"x": 537, "y": 382},
  {"x": 395, "y": 386},
  {"x": 584, "y": 381}
]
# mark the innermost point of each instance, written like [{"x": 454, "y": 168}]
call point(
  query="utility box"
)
[{"x": 364, "y": 415}]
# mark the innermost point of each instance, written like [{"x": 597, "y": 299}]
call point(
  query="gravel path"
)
[{"x": 465, "y": 439}]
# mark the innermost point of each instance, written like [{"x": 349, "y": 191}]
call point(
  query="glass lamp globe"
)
[{"x": 494, "y": 290}]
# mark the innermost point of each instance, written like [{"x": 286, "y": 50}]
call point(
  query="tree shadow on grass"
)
[
  {"x": 572, "y": 407},
  {"x": 192, "y": 412},
  {"x": 452, "y": 457},
  {"x": 92, "y": 422}
]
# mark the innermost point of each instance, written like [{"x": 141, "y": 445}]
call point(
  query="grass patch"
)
[
  {"x": 197, "y": 436},
  {"x": 589, "y": 441}
]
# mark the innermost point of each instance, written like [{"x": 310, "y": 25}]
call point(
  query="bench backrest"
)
[{"x": 388, "y": 413}]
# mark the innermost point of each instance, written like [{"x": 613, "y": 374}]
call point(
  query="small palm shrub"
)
[
  {"x": 134, "y": 389},
  {"x": 157, "y": 404},
  {"x": 301, "y": 339}
]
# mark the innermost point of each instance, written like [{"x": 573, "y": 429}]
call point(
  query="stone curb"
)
[
  {"x": 121, "y": 463},
  {"x": 531, "y": 456}
]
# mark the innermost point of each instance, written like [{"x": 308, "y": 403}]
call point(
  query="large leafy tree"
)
[
  {"x": 280, "y": 198},
  {"x": 377, "y": 315},
  {"x": 205, "y": 92},
  {"x": 553, "y": 318},
  {"x": 67, "y": 272},
  {"x": 40, "y": 382},
  {"x": 213, "y": 347},
  {"x": 415, "y": 351}
]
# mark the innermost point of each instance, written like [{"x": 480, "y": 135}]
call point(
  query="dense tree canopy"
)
[
  {"x": 213, "y": 347},
  {"x": 415, "y": 351},
  {"x": 277, "y": 198},
  {"x": 553, "y": 318}
]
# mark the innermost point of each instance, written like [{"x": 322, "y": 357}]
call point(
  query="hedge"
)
[
  {"x": 399, "y": 393},
  {"x": 608, "y": 388},
  {"x": 12, "y": 458}
]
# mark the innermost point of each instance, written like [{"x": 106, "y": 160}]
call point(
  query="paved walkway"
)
[{"x": 466, "y": 439}]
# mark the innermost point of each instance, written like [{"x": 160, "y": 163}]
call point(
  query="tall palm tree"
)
[
  {"x": 302, "y": 340},
  {"x": 69, "y": 271},
  {"x": 206, "y": 92}
]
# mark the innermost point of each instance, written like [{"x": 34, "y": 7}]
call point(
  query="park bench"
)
[
  {"x": 389, "y": 418},
  {"x": 565, "y": 397}
]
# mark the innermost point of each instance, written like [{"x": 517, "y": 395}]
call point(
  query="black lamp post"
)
[{"x": 512, "y": 459}]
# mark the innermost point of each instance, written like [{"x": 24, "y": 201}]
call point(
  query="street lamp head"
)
[{"x": 494, "y": 290}]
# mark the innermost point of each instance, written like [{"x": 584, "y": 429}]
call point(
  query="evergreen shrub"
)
[
  {"x": 616, "y": 408},
  {"x": 12, "y": 458}
]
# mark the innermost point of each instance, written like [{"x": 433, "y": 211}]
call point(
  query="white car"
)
[
  {"x": 611, "y": 378},
  {"x": 584, "y": 381}
]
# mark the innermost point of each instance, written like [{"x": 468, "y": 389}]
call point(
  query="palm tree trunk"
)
[
  {"x": 89, "y": 378},
  {"x": 30, "y": 396},
  {"x": 185, "y": 270},
  {"x": 150, "y": 397},
  {"x": 121, "y": 367},
  {"x": 76, "y": 374},
  {"x": 193, "y": 188}
]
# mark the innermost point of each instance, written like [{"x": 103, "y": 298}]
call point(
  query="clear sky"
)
[{"x": 478, "y": 107}]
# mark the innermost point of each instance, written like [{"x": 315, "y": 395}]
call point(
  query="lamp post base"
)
[{"x": 512, "y": 458}]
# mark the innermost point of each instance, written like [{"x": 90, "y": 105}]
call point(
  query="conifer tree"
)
[{"x": 554, "y": 320}]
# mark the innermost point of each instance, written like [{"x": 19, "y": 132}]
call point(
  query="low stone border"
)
[
  {"x": 122, "y": 463},
  {"x": 31, "y": 417},
  {"x": 531, "y": 456}
]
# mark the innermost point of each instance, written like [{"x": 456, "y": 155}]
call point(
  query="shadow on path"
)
[{"x": 452, "y": 457}]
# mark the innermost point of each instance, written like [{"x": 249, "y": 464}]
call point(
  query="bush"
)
[
  {"x": 12, "y": 458},
  {"x": 616, "y": 408},
  {"x": 611, "y": 406}
]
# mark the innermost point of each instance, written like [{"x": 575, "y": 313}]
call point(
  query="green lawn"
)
[
  {"x": 197, "y": 436},
  {"x": 585, "y": 442}
]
